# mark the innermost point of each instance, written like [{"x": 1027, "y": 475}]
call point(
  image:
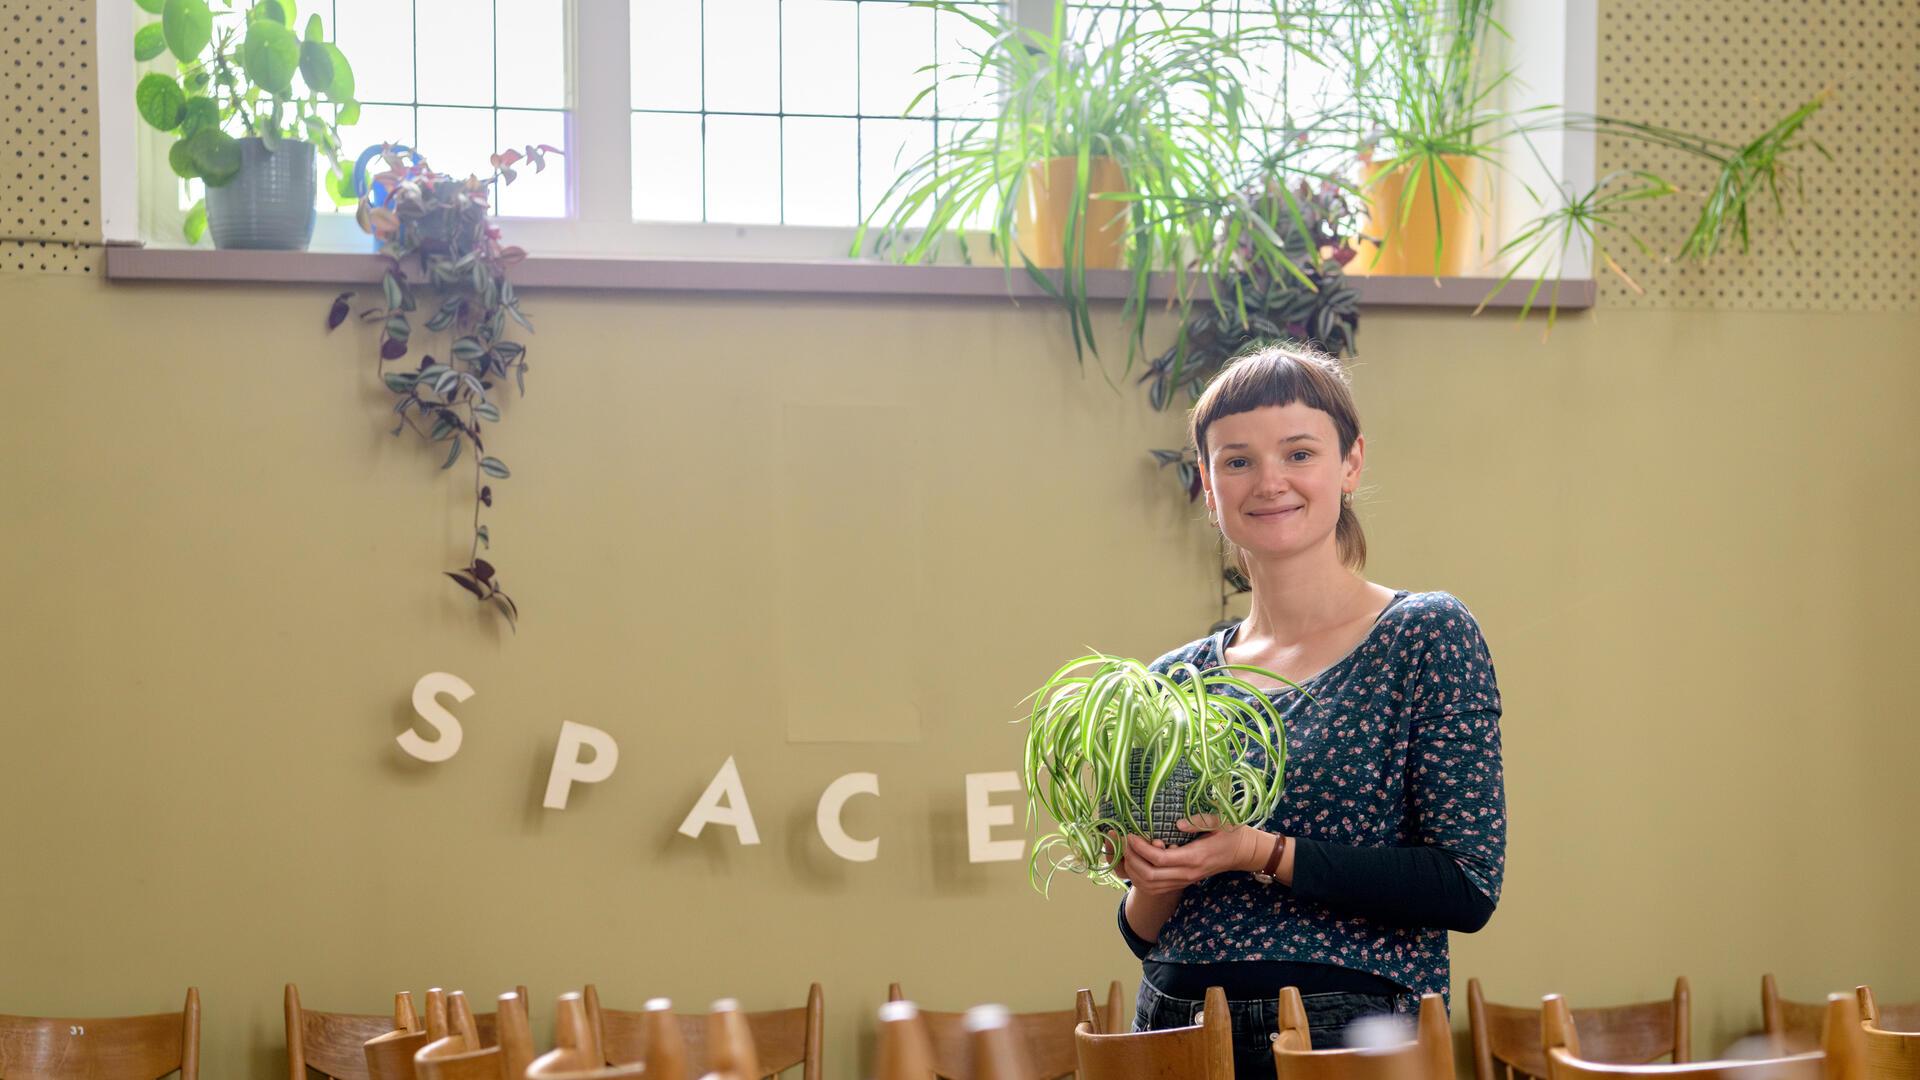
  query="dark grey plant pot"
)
[
  {"x": 267, "y": 205},
  {"x": 1169, "y": 805}
]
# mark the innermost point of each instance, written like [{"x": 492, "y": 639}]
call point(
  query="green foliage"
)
[
  {"x": 440, "y": 225},
  {"x": 1425, "y": 81},
  {"x": 1166, "y": 97},
  {"x": 1101, "y": 745},
  {"x": 241, "y": 73}
]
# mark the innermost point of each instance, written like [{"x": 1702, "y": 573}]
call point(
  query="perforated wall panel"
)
[
  {"x": 1728, "y": 69},
  {"x": 49, "y": 142}
]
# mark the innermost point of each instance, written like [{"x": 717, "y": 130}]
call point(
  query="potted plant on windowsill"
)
[
  {"x": 248, "y": 74},
  {"x": 1114, "y": 747},
  {"x": 1124, "y": 150},
  {"x": 1426, "y": 79}
]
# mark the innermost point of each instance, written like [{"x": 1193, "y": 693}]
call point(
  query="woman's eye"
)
[
  {"x": 1234, "y": 463},
  {"x": 1302, "y": 455}
]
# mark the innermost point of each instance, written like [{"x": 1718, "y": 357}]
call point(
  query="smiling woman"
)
[{"x": 1392, "y": 828}]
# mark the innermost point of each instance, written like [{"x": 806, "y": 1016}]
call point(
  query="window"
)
[
  {"x": 787, "y": 111},
  {"x": 759, "y": 129}
]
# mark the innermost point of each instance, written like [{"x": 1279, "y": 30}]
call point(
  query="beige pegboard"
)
[
  {"x": 1728, "y": 69},
  {"x": 49, "y": 138}
]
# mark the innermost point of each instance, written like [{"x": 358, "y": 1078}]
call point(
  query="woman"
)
[{"x": 1392, "y": 828}]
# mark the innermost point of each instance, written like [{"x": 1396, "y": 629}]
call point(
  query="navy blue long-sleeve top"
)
[{"x": 1395, "y": 799}]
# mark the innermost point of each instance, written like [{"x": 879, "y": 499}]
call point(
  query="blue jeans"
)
[{"x": 1256, "y": 1021}]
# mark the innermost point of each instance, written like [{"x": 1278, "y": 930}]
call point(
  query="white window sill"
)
[{"x": 840, "y": 277}]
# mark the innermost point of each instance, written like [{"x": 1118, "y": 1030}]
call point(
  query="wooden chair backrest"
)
[
  {"x": 1793, "y": 1027},
  {"x": 390, "y": 1056},
  {"x": 731, "y": 1053},
  {"x": 1047, "y": 1037},
  {"x": 902, "y": 1049},
  {"x": 1506, "y": 1038},
  {"x": 144, "y": 1047},
  {"x": 998, "y": 1053},
  {"x": 1841, "y": 1056},
  {"x": 332, "y": 1045},
  {"x": 1201, "y": 1052},
  {"x": 1428, "y": 1057},
  {"x": 1891, "y": 1054},
  {"x": 782, "y": 1038},
  {"x": 1899, "y": 1019},
  {"x": 576, "y": 1050},
  {"x": 464, "y": 1055}
]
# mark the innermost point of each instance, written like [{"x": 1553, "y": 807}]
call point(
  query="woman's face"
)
[{"x": 1274, "y": 476}]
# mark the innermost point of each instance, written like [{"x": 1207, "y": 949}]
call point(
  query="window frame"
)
[{"x": 1554, "y": 53}]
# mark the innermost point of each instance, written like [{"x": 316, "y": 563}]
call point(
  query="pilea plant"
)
[
  {"x": 246, "y": 73},
  {"x": 1123, "y": 749},
  {"x": 441, "y": 224}
]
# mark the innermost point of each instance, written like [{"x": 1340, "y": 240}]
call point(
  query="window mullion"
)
[{"x": 599, "y": 124}]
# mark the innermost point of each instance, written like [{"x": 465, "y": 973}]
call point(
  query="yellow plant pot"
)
[
  {"x": 1407, "y": 246},
  {"x": 1044, "y": 208}
]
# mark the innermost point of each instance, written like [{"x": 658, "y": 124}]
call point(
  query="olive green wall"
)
[
  {"x": 1689, "y": 539},
  {"x": 826, "y": 536}
]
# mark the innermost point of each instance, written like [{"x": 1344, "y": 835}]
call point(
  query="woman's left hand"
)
[{"x": 1213, "y": 851}]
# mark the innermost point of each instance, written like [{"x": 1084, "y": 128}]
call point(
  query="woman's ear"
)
[{"x": 1356, "y": 459}]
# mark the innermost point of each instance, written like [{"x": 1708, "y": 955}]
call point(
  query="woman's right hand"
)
[{"x": 1135, "y": 867}]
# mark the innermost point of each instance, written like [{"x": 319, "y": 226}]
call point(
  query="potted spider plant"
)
[
  {"x": 1114, "y": 747},
  {"x": 1425, "y": 83},
  {"x": 1122, "y": 148},
  {"x": 253, "y": 104}
]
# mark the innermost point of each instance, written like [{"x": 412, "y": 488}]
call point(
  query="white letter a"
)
[{"x": 734, "y": 812}]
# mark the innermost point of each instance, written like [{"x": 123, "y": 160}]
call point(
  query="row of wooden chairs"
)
[
  {"x": 455, "y": 1043},
  {"x": 345, "y": 1046},
  {"x": 1852, "y": 1046},
  {"x": 1507, "y": 1039}
]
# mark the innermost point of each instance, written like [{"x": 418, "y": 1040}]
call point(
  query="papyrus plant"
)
[{"x": 1101, "y": 720}]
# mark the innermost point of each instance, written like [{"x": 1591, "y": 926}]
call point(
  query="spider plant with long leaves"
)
[
  {"x": 1103, "y": 744},
  {"x": 1743, "y": 170},
  {"x": 1165, "y": 96},
  {"x": 1425, "y": 93}
]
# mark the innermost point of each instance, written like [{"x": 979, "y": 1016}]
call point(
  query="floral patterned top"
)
[{"x": 1399, "y": 746}]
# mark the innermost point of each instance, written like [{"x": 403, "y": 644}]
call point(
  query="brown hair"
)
[{"x": 1282, "y": 375}]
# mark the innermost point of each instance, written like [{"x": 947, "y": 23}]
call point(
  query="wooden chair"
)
[
  {"x": 1841, "y": 1057},
  {"x": 998, "y": 1052},
  {"x": 1792, "y": 1027},
  {"x": 1891, "y": 1054},
  {"x": 731, "y": 1050},
  {"x": 782, "y": 1038},
  {"x": 145, "y": 1046},
  {"x": 463, "y": 1056},
  {"x": 1506, "y": 1038},
  {"x": 902, "y": 1049},
  {"x": 576, "y": 1051},
  {"x": 332, "y": 1045},
  {"x": 1201, "y": 1052},
  {"x": 1046, "y": 1036},
  {"x": 1898, "y": 1019},
  {"x": 390, "y": 1056},
  {"x": 1428, "y": 1057}
]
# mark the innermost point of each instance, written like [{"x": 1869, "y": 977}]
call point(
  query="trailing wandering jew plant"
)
[
  {"x": 1121, "y": 748},
  {"x": 442, "y": 224}
]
